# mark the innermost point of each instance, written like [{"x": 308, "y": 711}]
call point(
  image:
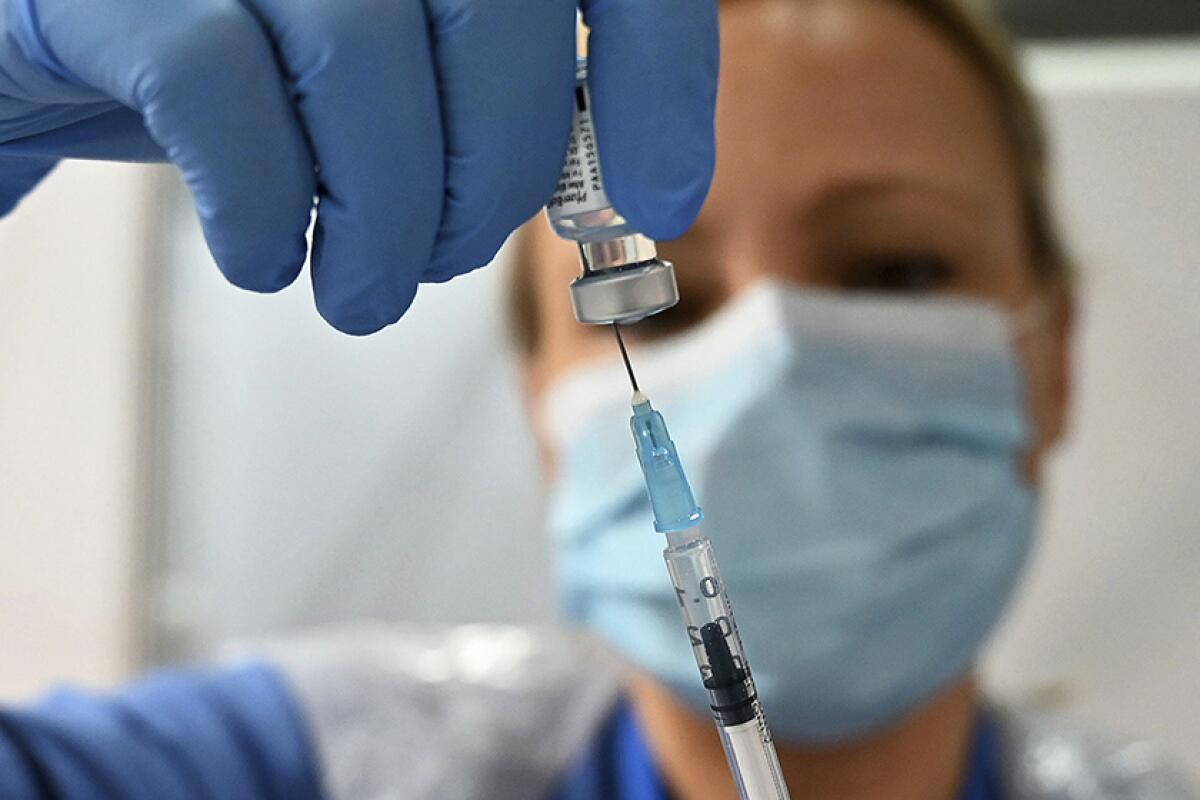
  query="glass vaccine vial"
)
[{"x": 623, "y": 280}]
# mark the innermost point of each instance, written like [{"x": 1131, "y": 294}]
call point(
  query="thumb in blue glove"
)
[{"x": 426, "y": 131}]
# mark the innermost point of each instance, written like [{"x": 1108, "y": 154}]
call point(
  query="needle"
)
[{"x": 625, "y": 356}]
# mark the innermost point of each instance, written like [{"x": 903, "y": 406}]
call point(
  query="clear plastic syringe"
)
[
  {"x": 707, "y": 615},
  {"x": 624, "y": 281}
]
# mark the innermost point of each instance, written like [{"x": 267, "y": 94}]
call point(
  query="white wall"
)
[
  {"x": 1109, "y": 623},
  {"x": 315, "y": 477},
  {"x": 72, "y": 262}
]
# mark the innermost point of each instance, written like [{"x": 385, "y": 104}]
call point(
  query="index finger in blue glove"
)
[
  {"x": 505, "y": 72},
  {"x": 203, "y": 75},
  {"x": 116, "y": 134},
  {"x": 365, "y": 88},
  {"x": 653, "y": 77},
  {"x": 17, "y": 176}
]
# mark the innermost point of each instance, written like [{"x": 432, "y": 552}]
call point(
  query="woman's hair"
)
[{"x": 989, "y": 53}]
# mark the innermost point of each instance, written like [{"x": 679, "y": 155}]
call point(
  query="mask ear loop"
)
[{"x": 1034, "y": 315}]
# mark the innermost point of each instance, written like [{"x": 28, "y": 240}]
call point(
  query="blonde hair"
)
[{"x": 982, "y": 44}]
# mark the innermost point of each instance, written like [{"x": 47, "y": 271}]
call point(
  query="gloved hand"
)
[{"x": 427, "y": 129}]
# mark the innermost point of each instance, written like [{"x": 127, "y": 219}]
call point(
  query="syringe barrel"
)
[
  {"x": 725, "y": 671},
  {"x": 703, "y": 603},
  {"x": 752, "y": 758}
]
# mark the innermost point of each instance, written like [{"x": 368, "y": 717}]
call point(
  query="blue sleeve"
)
[
  {"x": 616, "y": 764},
  {"x": 233, "y": 735}
]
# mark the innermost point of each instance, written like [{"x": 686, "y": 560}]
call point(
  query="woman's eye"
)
[{"x": 900, "y": 273}]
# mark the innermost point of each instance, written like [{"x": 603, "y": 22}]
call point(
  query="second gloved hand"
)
[{"x": 428, "y": 131}]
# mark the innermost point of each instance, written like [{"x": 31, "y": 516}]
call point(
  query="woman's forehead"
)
[{"x": 816, "y": 94}]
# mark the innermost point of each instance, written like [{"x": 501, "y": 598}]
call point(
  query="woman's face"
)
[{"x": 856, "y": 152}]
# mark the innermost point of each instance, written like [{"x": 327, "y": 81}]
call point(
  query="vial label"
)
[{"x": 581, "y": 186}]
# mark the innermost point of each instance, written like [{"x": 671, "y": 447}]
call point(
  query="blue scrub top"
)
[{"x": 618, "y": 765}]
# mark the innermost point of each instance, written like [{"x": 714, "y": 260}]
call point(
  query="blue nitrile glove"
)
[
  {"x": 428, "y": 129},
  {"x": 234, "y": 734}
]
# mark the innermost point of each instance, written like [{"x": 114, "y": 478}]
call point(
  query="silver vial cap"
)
[{"x": 624, "y": 294}]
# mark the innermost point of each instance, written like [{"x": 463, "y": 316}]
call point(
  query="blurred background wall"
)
[
  {"x": 181, "y": 463},
  {"x": 73, "y": 267},
  {"x": 1108, "y": 625}
]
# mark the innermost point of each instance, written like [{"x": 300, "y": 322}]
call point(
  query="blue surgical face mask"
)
[{"x": 857, "y": 463}]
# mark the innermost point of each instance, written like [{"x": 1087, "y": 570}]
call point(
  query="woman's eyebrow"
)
[{"x": 842, "y": 195}]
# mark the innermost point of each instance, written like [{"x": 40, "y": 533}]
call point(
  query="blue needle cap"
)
[{"x": 671, "y": 497}]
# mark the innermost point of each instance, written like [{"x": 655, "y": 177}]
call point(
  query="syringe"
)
[
  {"x": 624, "y": 281},
  {"x": 707, "y": 615}
]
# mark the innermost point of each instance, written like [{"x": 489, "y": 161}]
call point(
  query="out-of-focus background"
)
[{"x": 181, "y": 463}]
